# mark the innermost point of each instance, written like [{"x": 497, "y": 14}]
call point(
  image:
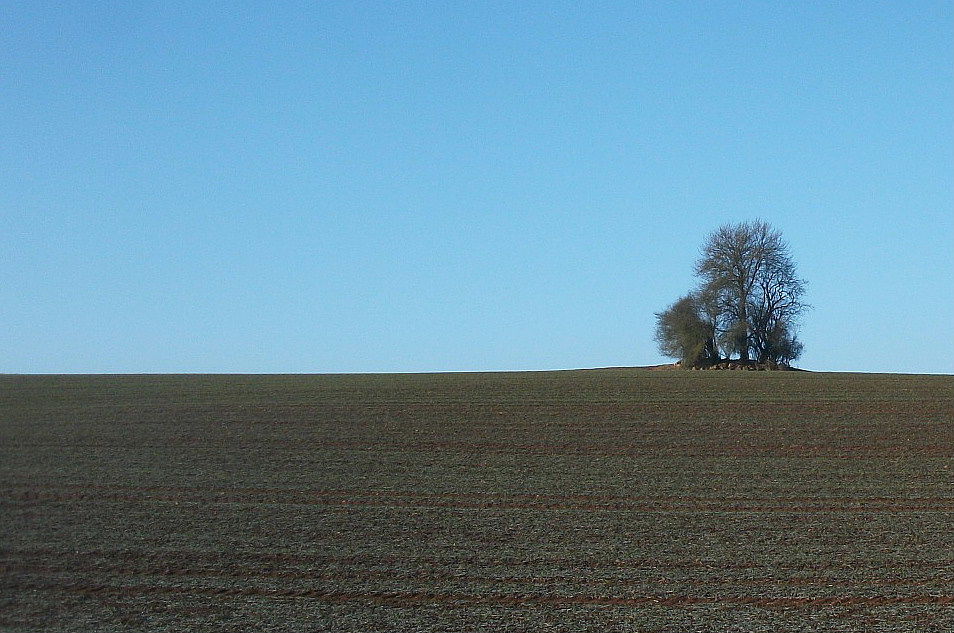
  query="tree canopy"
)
[{"x": 747, "y": 303}]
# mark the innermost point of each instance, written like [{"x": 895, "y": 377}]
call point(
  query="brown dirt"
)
[{"x": 572, "y": 501}]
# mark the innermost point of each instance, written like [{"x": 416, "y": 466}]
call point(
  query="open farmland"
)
[{"x": 601, "y": 500}]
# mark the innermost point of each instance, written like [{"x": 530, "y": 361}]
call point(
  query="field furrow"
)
[{"x": 571, "y": 501}]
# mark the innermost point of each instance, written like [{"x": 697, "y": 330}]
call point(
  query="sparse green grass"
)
[{"x": 603, "y": 500}]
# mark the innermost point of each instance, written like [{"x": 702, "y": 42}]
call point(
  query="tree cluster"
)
[{"x": 747, "y": 303}]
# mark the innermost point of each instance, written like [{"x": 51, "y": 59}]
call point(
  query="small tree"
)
[
  {"x": 778, "y": 346},
  {"x": 684, "y": 331}
]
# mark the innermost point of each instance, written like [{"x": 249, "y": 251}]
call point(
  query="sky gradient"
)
[{"x": 457, "y": 186}]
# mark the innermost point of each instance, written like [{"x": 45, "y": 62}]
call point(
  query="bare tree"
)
[
  {"x": 748, "y": 301},
  {"x": 748, "y": 270}
]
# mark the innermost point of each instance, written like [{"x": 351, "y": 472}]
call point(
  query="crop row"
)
[
  {"x": 406, "y": 599},
  {"x": 155, "y": 494}
]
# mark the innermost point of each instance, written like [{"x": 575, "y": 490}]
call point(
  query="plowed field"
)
[{"x": 603, "y": 500}]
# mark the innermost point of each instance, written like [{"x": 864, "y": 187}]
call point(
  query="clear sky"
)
[{"x": 341, "y": 186}]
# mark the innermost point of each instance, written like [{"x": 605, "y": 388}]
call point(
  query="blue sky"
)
[{"x": 453, "y": 186}]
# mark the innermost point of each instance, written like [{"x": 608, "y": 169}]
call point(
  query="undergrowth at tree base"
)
[{"x": 739, "y": 365}]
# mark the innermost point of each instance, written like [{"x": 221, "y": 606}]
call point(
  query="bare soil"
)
[{"x": 599, "y": 500}]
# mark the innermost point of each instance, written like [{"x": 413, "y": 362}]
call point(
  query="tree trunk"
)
[{"x": 744, "y": 319}]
